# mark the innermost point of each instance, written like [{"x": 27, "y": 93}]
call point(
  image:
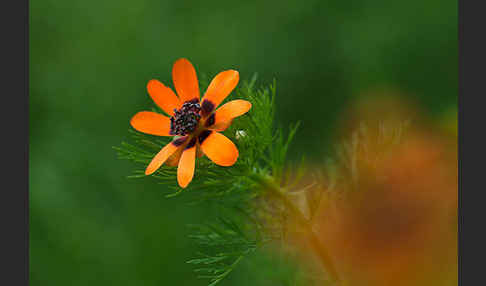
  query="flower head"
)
[
  {"x": 398, "y": 227},
  {"x": 194, "y": 123}
]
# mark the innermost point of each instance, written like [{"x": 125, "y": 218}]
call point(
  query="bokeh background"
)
[{"x": 89, "y": 65}]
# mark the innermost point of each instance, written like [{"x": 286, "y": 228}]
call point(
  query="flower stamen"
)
[{"x": 186, "y": 119}]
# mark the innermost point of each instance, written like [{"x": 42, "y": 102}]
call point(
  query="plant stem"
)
[{"x": 314, "y": 240}]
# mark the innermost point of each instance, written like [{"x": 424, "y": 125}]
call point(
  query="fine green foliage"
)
[
  {"x": 247, "y": 217},
  {"x": 227, "y": 242}
]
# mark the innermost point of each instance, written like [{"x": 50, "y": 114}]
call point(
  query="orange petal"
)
[
  {"x": 218, "y": 148},
  {"x": 160, "y": 158},
  {"x": 163, "y": 96},
  {"x": 174, "y": 158},
  {"x": 220, "y": 126},
  {"x": 185, "y": 80},
  {"x": 230, "y": 110},
  {"x": 151, "y": 123},
  {"x": 185, "y": 170},
  {"x": 219, "y": 88}
]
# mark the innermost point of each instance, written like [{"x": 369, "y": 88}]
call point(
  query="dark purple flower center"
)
[{"x": 186, "y": 119}]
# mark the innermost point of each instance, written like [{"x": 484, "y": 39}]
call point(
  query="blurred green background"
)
[{"x": 89, "y": 65}]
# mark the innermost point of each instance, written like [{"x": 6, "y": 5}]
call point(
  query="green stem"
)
[{"x": 316, "y": 244}]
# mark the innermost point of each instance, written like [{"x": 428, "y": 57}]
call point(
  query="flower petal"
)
[
  {"x": 185, "y": 170},
  {"x": 173, "y": 160},
  {"x": 163, "y": 96},
  {"x": 220, "y": 126},
  {"x": 230, "y": 110},
  {"x": 185, "y": 80},
  {"x": 219, "y": 88},
  {"x": 151, "y": 123},
  {"x": 160, "y": 158},
  {"x": 218, "y": 148}
]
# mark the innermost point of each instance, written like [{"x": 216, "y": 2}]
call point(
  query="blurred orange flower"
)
[
  {"x": 193, "y": 124},
  {"x": 396, "y": 224}
]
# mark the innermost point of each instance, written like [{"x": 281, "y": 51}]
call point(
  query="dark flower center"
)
[{"x": 186, "y": 119}]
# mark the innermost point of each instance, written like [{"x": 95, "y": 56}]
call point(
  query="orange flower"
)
[{"x": 194, "y": 125}]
